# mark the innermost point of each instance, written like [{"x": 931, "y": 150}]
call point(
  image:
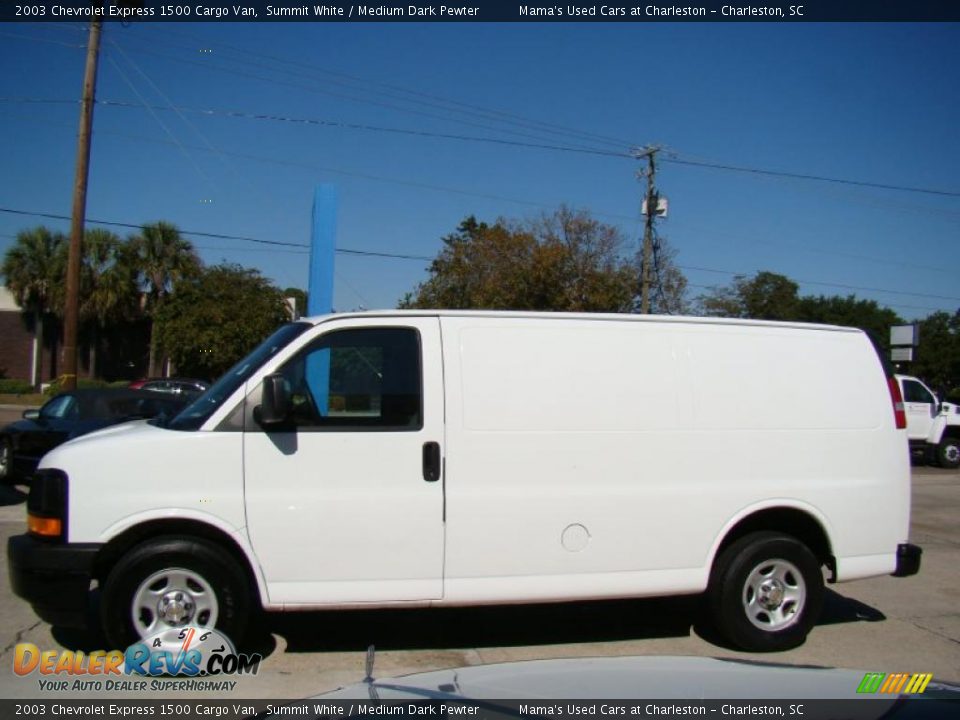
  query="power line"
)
[
  {"x": 513, "y": 117},
  {"x": 502, "y": 198},
  {"x": 377, "y": 178},
  {"x": 339, "y": 171},
  {"x": 372, "y": 128},
  {"x": 396, "y": 92},
  {"x": 889, "y": 305},
  {"x": 825, "y": 284},
  {"x": 160, "y": 122},
  {"x": 499, "y": 141},
  {"x": 707, "y": 231},
  {"x": 312, "y": 88},
  {"x": 406, "y": 256},
  {"x": 330, "y": 123},
  {"x": 222, "y": 236},
  {"x": 818, "y": 178}
]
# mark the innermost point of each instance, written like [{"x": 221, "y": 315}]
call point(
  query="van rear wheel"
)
[
  {"x": 765, "y": 592},
  {"x": 172, "y": 582}
]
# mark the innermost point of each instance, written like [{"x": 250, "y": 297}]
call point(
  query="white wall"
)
[{"x": 6, "y": 300}]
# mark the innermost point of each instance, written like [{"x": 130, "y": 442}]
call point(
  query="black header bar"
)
[
  {"x": 479, "y": 11},
  {"x": 444, "y": 708}
]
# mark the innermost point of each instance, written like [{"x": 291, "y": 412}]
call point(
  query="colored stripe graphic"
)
[
  {"x": 918, "y": 683},
  {"x": 871, "y": 682},
  {"x": 895, "y": 683},
  {"x": 890, "y": 683}
]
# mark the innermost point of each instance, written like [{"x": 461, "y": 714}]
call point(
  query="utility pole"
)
[
  {"x": 71, "y": 319},
  {"x": 652, "y": 202}
]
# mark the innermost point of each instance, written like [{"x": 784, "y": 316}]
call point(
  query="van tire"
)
[
  {"x": 211, "y": 578},
  {"x": 948, "y": 453},
  {"x": 765, "y": 592}
]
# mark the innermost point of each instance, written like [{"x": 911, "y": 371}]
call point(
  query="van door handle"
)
[{"x": 431, "y": 461}]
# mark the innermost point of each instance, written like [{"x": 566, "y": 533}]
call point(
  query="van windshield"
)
[{"x": 194, "y": 415}]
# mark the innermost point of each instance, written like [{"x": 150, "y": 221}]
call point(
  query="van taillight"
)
[{"x": 897, "y": 399}]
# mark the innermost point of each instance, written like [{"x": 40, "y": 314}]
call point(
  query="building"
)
[{"x": 17, "y": 344}]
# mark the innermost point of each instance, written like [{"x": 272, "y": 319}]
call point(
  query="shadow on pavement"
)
[
  {"x": 838, "y": 609},
  {"x": 92, "y": 638},
  {"x": 479, "y": 627},
  {"x": 11, "y": 495},
  {"x": 504, "y": 626}
]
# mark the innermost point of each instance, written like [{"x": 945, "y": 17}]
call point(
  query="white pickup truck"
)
[{"x": 933, "y": 427}]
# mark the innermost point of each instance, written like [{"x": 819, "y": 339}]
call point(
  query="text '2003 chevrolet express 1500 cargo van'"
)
[{"x": 460, "y": 458}]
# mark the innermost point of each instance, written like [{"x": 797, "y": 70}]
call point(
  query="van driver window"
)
[{"x": 357, "y": 379}]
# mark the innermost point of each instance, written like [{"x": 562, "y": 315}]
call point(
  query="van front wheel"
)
[
  {"x": 173, "y": 582},
  {"x": 765, "y": 592}
]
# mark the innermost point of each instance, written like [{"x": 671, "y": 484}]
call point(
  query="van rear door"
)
[{"x": 345, "y": 501}]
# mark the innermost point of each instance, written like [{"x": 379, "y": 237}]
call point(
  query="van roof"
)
[{"x": 629, "y": 317}]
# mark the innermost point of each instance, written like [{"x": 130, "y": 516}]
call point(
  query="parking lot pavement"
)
[{"x": 882, "y": 624}]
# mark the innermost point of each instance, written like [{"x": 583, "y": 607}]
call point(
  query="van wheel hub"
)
[
  {"x": 172, "y": 598},
  {"x": 175, "y": 609},
  {"x": 770, "y": 594},
  {"x": 773, "y": 595}
]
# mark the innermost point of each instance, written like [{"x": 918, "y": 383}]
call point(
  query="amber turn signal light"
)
[{"x": 47, "y": 527}]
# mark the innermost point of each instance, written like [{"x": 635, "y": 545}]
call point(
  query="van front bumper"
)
[
  {"x": 54, "y": 579},
  {"x": 908, "y": 560}
]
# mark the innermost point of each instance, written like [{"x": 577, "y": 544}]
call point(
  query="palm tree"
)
[
  {"x": 108, "y": 285},
  {"x": 34, "y": 272},
  {"x": 163, "y": 256}
]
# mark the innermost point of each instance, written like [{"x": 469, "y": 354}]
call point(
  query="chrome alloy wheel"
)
[
  {"x": 172, "y": 598},
  {"x": 774, "y": 595}
]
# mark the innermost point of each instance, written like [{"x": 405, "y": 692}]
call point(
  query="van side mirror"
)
[{"x": 275, "y": 401}]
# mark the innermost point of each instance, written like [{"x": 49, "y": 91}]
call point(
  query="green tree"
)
[
  {"x": 163, "y": 257},
  {"x": 851, "y": 311},
  {"x": 765, "y": 296},
  {"x": 33, "y": 270},
  {"x": 669, "y": 296},
  {"x": 564, "y": 261},
  {"x": 108, "y": 285},
  {"x": 215, "y": 316},
  {"x": 938, "y": 354}
]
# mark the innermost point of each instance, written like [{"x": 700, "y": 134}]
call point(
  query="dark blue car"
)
[{"x": 70, "y": 415}]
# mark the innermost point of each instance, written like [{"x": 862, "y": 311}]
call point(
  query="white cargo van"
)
[{"x": 456, "y": 458}]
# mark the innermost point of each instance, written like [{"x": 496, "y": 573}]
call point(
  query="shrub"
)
[
  {"x": 11, "y": 386},
  {"x": 82, "y": 383}
]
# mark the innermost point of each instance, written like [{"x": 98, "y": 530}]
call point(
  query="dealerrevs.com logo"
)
[{"x": 175, "y": 659}]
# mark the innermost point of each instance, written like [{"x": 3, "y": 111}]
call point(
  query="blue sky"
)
[{"x": 869, "y": 102}]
